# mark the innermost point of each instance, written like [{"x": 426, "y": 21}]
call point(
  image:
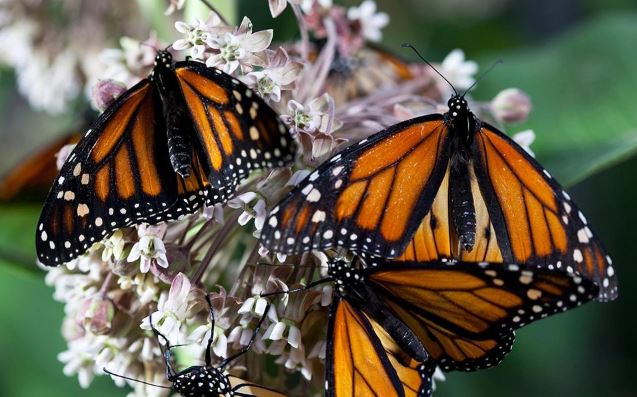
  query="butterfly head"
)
[
  {"x": 163, "y": 59},
  {"x": 202, "y": 381},
  {"x": 458, "y": 106},
  {"x": 344, "y": 275}
]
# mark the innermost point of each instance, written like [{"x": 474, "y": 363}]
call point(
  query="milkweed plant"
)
[{"x": 165, "y": 270}]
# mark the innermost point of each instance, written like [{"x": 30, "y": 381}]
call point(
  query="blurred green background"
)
[{"x": 578, "y": 62}]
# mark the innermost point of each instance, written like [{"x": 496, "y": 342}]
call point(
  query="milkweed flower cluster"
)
[{"x": 329, "y": 95}]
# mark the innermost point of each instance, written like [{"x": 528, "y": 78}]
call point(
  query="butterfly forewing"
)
[
  {"x": 110, "y": 180},
  {"x": 542, "y": 225},
  {"x": 365, "y": 197}
]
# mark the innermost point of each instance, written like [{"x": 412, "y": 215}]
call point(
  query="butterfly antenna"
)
[
  {"x": 408, "y": 45},
  {"x": 135, "y": 380},
  {"x": 213, "y": 9},
  {"x": 499, "y": 61}
]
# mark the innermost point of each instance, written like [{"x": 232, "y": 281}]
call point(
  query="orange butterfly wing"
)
[
  {"x": 237, "y": 130},
  {"x": 465, "y": 313},
  {"x": 364, "y": 72},
  {"x": 363, "y": 360},
  {"x": 116, "y": 177},
  {"x": 370, "y": 196},
  {"x": 536, "y": 218},
  {"x": 36, "y": 172}
]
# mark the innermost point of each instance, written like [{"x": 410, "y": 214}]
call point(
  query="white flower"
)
[
  {"x": 49, "y": 83},
  {"x": 258, "y": 212},
  {"x": 284, "y": 330},
  {"x": 525, "y": 139},
  {"x": 219, "y": 342},
  {"x": 197, "y": 34},
  {"x": 114, "y": 246},
  {"x": 307, "y": 5},
  {"x": 174, "y": 6},
  {"x": 437, "y": 376},
  {"x": 458, "y": 71},
  {"x": 239, "y": 49},
  {"x": 172, "y": 310},
  {"x": 309, "y": 118},
  {"x": 370, "y": 21},
  {"x": 280, "y": 74},
  {"x": 150, "y": 248}
]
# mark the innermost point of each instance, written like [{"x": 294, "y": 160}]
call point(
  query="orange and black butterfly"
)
[
  {"x": 178, "y": 140},
  {"x": 208, "y": 380},
  {"x": 441, "y": 186},
  {"x": 364, "y": 72},
  {"x": 32, "y": 177},
  {"x": 460, "y": 316}
]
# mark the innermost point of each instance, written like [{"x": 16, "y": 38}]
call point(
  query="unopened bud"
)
[
  {"x": 511, "y": 106},
  {"x": 96, "y": 315},
  {"x": 105, "y": 92}
]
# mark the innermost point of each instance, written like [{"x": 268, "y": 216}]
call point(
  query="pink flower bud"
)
[
  {"x": 511, "y": 106},
  {"x": 105, "y": 92},
  {"x": 96, "y": 314}
]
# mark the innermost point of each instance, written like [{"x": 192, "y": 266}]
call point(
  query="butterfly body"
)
[
  {"x": 181, "y": 139},
  {"x": 202, "y": 381},
  {"x": 383, "y": 356},
  {"x": 179, "y": 129},
  {"x": 351, "y": 285}
]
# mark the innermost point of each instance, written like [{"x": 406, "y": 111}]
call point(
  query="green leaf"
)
[
  {"x": 17, "y": 238},
  {"x": 583, "y": 89}
]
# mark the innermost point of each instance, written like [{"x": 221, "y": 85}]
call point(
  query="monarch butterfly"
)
[
  {"x": 461, "y": 316},
  {"x": 441, "y": 186},
  {"x": 34, "y": 175},
  {"x": 208, "y": 380},
  {"x": 180, "y": 139},
  {"x": 362, "y": 73}
]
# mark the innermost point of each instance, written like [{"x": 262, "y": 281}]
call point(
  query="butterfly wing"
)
[
  {"x": 237, "y": 130},
  {"x": 36, "y": 172},
  {"x": 365, "y": 72},
  {"x": 536, "y": 221},
  {"x": 119, "y": 174},
  {"x": 242, "y": 388},
  {"x": 465, "y": 313},
  {"x": 363, "y": 360},
  {"x": 370, "y": 196}
]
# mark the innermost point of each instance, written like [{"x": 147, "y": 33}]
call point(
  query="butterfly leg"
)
[
  {"x": 212, "y": 332},
  {"x": 170, "y": 372},
  {"x": 249, "y": 345}
]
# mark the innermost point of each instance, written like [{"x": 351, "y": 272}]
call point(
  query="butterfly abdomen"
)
[
  {"x": 179, "y": 127},
  {"x": 462, "y": 210}
]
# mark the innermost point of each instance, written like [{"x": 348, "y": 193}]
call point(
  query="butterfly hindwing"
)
[
  {"x": 465, "y": 314},
  {"x": 366, "y": 196},
  {"x": 236, "y": 129},
  {"x": 363, "y": 360}
]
